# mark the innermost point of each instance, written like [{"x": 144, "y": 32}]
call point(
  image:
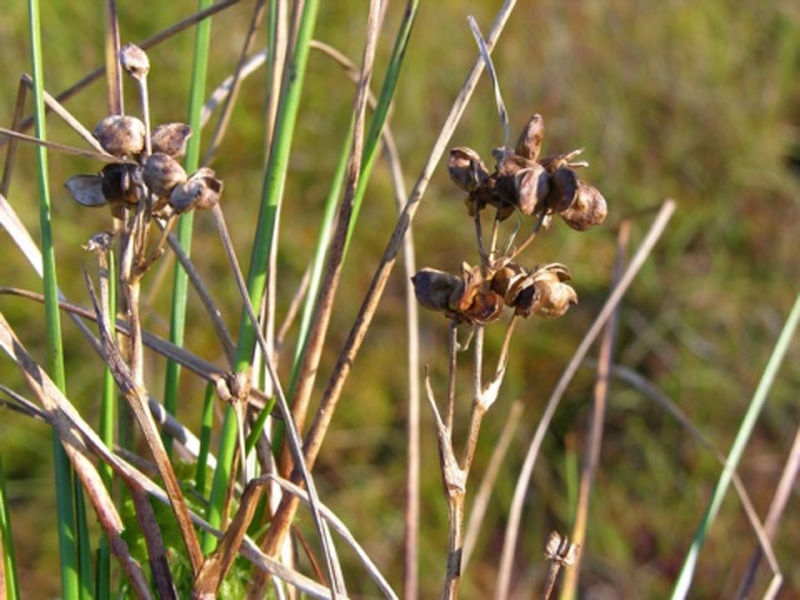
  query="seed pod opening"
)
[{"x": 120, "y": 182}]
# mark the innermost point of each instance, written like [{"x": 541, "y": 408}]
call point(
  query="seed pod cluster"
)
[
  {"x": 129, "y": 181},
  {"x": 475, "y": 298},
  {"x": 523, "y": 181}
]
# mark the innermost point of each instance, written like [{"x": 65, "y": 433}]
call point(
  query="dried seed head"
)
[
  {"x": 588, "y": 209},
  {"x": 122, "y": 183},
  {"x": 120, "y": 135},
  {"x": 134, "y": 60},
  {"x": 530, "y": 141},
  {"x": 466, "y": 168},
  {"x": 202, "y": 190},
  {"x": 162, "y": 173},
  {"x": 437, "y": 290},
  {"x": 171, "y": 138},
  {"x": 551, "y": 297},
  {"x": 533, "y": 187}
]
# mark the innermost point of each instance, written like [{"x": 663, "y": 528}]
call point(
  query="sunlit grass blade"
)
[
  {"x": 757, "y": 402},
  {"x": 180, "y": 283},
  {"x": 266, "y": 231},
  {"x": 9, "y": 566},
  {"x": 68, "y": 543}
]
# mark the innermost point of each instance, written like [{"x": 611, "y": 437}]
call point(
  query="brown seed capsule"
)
[
  {"x": 544, "y": 292},
  {"x": 120, "y": 135},
  {"x": 437, "y": 290},
  {"x": 530, "y": 141},
  {"x": 171, "y": 138},
  {"x": 533, "y": 187},
  {"x": 563, "y": 189},
  {"x": 211, "y": 188},
  {"x": 162, "y": 173},
  {"x": 466, "y": 168},
  {"x": 122, "y": 183},
  {"x": 202, "y": 190},
  {"x": 134, "y": 60},
  {"x": 588, "y": 210}
]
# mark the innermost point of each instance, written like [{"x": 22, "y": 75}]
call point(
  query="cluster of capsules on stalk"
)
[
  {"x": 147, "y": 170},
  {"x": 521, "y": 183}
]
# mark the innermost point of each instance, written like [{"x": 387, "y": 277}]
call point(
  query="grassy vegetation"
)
[{"x": 694, "y": 101}]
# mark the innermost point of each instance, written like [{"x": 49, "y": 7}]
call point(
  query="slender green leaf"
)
[
  {"x": 266, "y": 231},
  {"x": 68, "y": 544},
  {"x": 757, "y": 402},
  {"x": 180, "y": 281},
  {"x": 11, "y": 591}
]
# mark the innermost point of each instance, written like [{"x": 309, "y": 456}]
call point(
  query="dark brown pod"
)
[
  {"x": 211, "y": 188},
  {"x": 120, "y": 135},
  {"x": 466, "y": 168},
  {"x": 437, "y": 290},
  {"x": 122, "y": 183},
  {"x": 563, "y": 189},
  {"x": 162, "y": 173},
  {"x": 135, "y": 61},
  {"x": 171, "y": 139},
  {"x": 533, "y": 186},
  {"x": 530, "y": 141},
  {"x": 588, "y": 210}
]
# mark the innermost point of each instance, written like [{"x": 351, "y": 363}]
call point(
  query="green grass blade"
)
[
  {"x": 11, "y": 591},
  {"x": 740, "y": 442},
  {"x": 180, "y": 281},
  {"x": 108, "y": 411},
  {"x": 266, "y": 230},
  {"x": 206, "y": 427},
  {"x": 64, "y": 479},
  {"x": 372, "y": 138}
]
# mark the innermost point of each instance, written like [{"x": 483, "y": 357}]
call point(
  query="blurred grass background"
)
[{"x": 696, "y": 101}]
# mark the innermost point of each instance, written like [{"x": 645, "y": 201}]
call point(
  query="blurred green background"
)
[{"x": 697, "y": 101}]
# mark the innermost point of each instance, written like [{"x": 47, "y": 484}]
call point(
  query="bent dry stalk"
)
[{"x": 524, "y": 185}]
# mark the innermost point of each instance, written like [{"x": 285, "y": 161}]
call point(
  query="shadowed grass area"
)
[{"x": 695, "y": 101}]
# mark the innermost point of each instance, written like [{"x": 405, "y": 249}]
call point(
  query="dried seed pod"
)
[
  {"x": 478, "y": 302},
  {"x": 530, "y": 141},
  {"x": 122, "y": 183},
  {"x": 135, "y": 61},
  {"x": 171, "y": 138},
  {"x": 211, "y": 188},
  {"x": 588, "y": 210},
  {"x": 120, "y": 135},
  {"x": 533, "y": 187},
  {"x": 563, "y": 189},
  {"x": 506, "y": 280},
  {"x": 162, "y": 173},
  {"x": 552, "y": 297},
  {"x": 202, "y": 190},
  {"x": 466, "y": 168},
  {"x": 437, "y": 290}
]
